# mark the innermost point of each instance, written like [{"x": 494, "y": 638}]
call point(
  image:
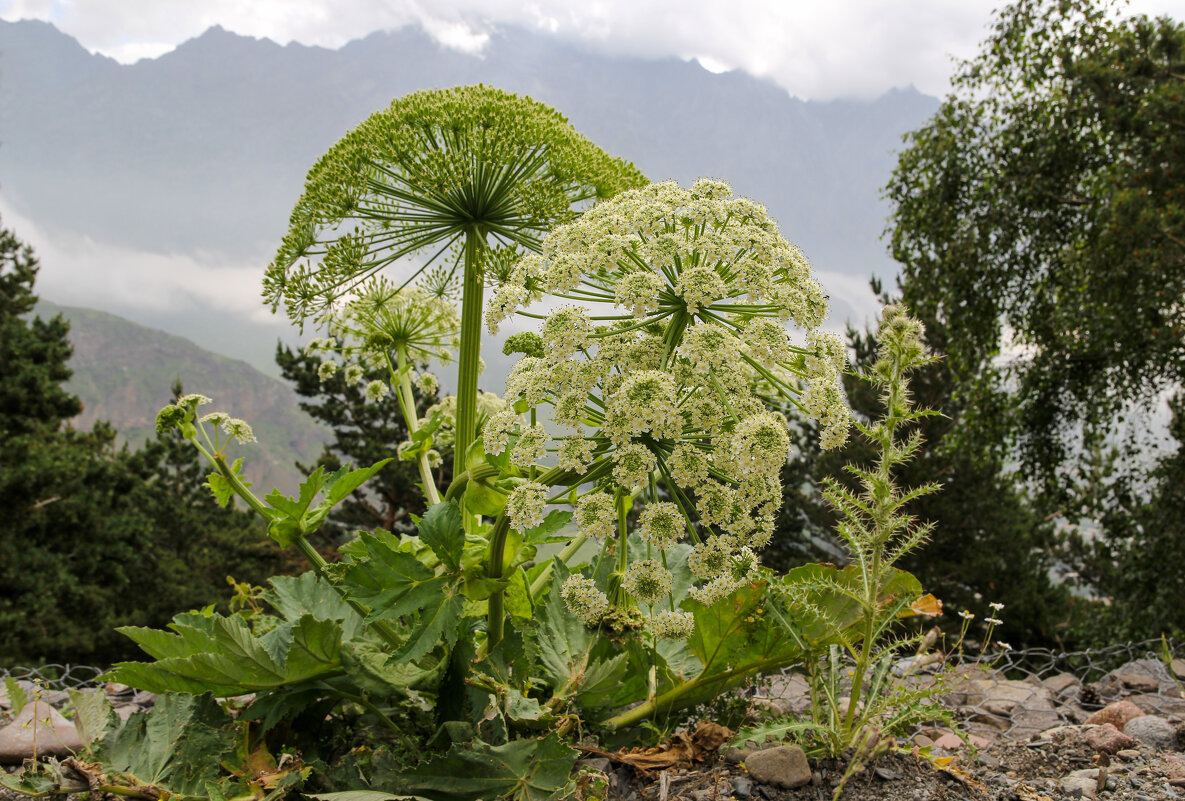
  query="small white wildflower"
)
[
  {"x": 376, "y": 390},
  {"x": 531, "y": 445},
  {"x": 632, "y": 465},
  {"x": 497, "y": 430},
  {"x": 326, "y": 370},
  {"x": 645, "y": 403},
  {"x": 966, "y": 615},
  {"x": 993, "y": 621},
  {"x": 525, "y": 505},
  {"x": 565, "y": 331},
  {"x": 238, "y": 429},
  {"x": 715, "y": 590},
  {"x": 700, "y": 286},
  {"x": 434, "y": 458},
  {"x": 709, "y": 559},
  {"x": 996, "y": 605},
  {"x": 638, "y": 292},
  {"x": 584, "y": 600},
  {"x": 576, "y": 453},
  {"x": 214, "y": 418},
  {"x": 596, "y": 515},
  {"x": 528, "y": 380},
  {"x": 710, "y": 347},
  {"x": 668, "y": 625},
  {"x": 661, "y": 524},
  {"x": 427, "y": 383},
  {"x": 761, "y": 443},
  {"x": 192, "y": 400},
  {"x": 688, "y": 465},
  {"x": 353, "y": 373},
  {"x": 647, "y": 580},
  {"x": 717, "y": 504},
  {"x": 768, "y": 341}
]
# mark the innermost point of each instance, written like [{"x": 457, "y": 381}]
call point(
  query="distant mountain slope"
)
[
  {"x": 205, "y": 148},
  {"x": 123, "y": 373}
]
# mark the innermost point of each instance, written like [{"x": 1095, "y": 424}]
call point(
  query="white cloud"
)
[{"x": 842, "y": 48}]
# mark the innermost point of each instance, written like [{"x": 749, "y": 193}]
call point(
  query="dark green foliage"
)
[
  {"x": 1138, "y": 564},
  {"x": 364, "y": 432},
  {"x": 1045, "y": 199},
  {"x": 92, "y": 537},
  {"x": 1039, "y": 221}
]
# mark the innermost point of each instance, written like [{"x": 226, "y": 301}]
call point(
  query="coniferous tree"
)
[{"x": 93, "y": 537}]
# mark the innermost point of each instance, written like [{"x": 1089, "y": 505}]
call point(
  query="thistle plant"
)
[
  {"x": 462, "y": 178},
  {"x": 669, "y": 373}
]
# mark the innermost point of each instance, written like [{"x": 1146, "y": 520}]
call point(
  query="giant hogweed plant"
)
[{"x": 665, "y": 373}]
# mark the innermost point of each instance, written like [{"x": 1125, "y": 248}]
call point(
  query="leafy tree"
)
[
  {"x": 93, "y": 537},
  {"x": 1038, "y": 216},
  {"x": 364, "y": 432}
]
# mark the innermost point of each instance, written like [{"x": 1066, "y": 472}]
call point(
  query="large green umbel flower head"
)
[{"x": 450, "y": 175}]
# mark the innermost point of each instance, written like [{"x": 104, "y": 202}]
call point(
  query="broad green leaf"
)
[
  {"x": 481, "y": 498},
  {"x": 220, "y": 655},
  {"x": 373, "y": 670},
  {"x": 564, "y": 641},
  {"x": 176, "y": 746},
  {"x": 345, "y": 481},
  {"x": 93, "y": 716},
  {"x": 601, "y": 681},
  {"x": 546, "y": 531},
  {"x": 309, "y": 594},
  {"x": 439, "y": 620},
  {"x": 441, "y": 529},
  {"x": 521, "y": 770},
  {"x": 736, "y": 631},
  {"x": 385, "y": 577},
  {"x": 362, "y": 795}
]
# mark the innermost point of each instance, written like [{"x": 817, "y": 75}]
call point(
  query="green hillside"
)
[{"x": 123, "y": 373}]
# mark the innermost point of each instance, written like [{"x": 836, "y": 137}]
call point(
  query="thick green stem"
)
[
  {"x": 471, "y": 306},
  {"x": 495, "y": 614},
  {"x": 407, "y": 404},
  {"x": 566, "y": 554}
]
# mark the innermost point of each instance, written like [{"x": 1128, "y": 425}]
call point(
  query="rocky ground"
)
[{"x": 1040, "y": 738}]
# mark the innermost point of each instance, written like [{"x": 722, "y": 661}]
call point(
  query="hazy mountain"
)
[
  {"x": 123, "y": 373},
  {"x": 202, "y": 152}
]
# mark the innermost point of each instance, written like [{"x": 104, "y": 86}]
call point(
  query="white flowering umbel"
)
[{"x": 673, "y": 372}]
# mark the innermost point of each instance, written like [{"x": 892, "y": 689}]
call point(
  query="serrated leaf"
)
[
  {"x": 439, "y": 621},
  {"x": 220, "y": 655},
  {"x": 521, "y": 770},
  {"x": 601, "y": 681},
  {"x": 546, "y": 531},
  {"x": 564, "y": 641},
  {"x": 481, "y": 498},
  {"x": 363, "y": 795},
  {"x": 345, "y": 481},
  {"x": 442, "y": 530},
  {"x": 221, "y": 487},
  {"x": 176, "y": 746},
  {"x": 93, "y": 716}
]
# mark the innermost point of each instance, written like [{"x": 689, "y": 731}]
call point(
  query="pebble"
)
[
  {"x": 1117, "y": 714},
  {"x": 1152, "y": 731},
  {"x": 1080, "y": 786},
  {"x": 784, "y": 766},
  {"x": 40, "y": 729},
  {"x": 1108, "y": 739},
  {"x": 742, "y": 787}
]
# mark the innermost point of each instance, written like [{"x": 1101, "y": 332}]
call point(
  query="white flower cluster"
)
[
  {"x": 679, "y": 385},
  {"x": 584, "y": 600}
]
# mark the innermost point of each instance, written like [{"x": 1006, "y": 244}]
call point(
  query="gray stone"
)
[
  {"x": 1080, "y": 787},
  {"x": 742, "y": 787},
  {"x": 40, "y": 729},
  {"x": 784, "y": 766},
  {"x": 1153, "y": 731},
  {"x": 1062, "y": 682}
]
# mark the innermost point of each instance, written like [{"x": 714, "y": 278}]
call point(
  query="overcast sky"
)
[{"x": 816, "y": 50}]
